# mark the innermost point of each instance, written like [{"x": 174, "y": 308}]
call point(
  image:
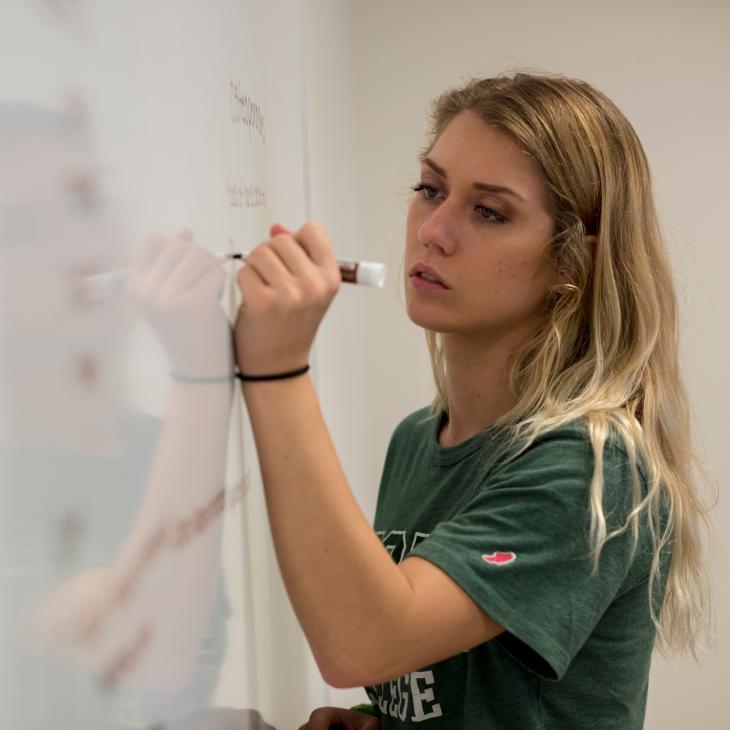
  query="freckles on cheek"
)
[
  {"x": 509, "y": 272},
  {"x": 520, "y": 269}
]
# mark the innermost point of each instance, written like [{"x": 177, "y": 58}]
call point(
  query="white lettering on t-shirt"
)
[
  {"x": 414, "y": 691},
  {"x": 381, "y": 702},
  {"x": 399, "y": 697},
  {"x": 395, "y": 543},
  {"x": 417, "y": 537},
  {"x": 424, "y": 695}
]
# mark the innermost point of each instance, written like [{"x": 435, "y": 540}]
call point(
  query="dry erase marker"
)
[
  {"x": 97, "y": 287},
  {"x": 367, "y": 273}
]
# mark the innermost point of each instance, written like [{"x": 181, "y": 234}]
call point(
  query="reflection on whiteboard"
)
[{"x": 126, "y": 569}]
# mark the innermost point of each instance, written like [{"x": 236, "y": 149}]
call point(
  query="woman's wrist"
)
[{"x": 285, "y": 375}]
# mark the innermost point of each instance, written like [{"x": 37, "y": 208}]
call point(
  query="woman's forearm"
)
[{"x": 345, "y": 589}]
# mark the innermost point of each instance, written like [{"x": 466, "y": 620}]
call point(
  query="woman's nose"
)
[{"x": 439, "y": 230}]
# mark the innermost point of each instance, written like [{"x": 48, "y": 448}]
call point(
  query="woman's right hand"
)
[{"x": 335, "y": 717}]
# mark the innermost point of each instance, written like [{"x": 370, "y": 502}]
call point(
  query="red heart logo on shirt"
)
[{"x": 497, "y": 558}]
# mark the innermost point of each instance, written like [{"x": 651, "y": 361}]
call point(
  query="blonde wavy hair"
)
[{"x": 608, "y": 351}]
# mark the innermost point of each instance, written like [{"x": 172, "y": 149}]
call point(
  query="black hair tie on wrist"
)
[{"x": 276, "y": 376}]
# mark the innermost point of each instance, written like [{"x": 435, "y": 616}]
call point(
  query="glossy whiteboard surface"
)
[{"x": 134, "y": 555}]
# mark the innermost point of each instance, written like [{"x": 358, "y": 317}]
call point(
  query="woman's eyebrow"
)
[{"x": 477, "y": 185}]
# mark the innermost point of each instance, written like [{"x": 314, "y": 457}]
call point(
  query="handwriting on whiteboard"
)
[
  {"x": 246, "y": 196},
  {"x": 245, "y": 111}
]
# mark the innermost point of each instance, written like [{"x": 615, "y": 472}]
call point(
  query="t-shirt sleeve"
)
[{"x": 521, "y": 548}]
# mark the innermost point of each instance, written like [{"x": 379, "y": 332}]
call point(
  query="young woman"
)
[{"x": 539, "y": 525}]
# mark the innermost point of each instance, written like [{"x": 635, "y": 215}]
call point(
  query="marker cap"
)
[{"x": 370, "y": 273}]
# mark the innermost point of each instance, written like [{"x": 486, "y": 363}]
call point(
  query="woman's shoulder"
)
[
  {"x": 577, "y": 440},
  {"x": 416, "y": 423}
]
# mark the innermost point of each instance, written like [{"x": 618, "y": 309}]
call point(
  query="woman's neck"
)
[{"x": 477, "y": 385}]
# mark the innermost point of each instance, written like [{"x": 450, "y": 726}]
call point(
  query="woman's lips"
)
[
  {"x": 425, "y": 277},
  {"x": 419, "y": 282}
]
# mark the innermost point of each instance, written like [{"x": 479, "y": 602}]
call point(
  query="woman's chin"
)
[{"x": 429, "y": 322}]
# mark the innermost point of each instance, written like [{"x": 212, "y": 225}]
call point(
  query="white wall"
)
[{"x": 372, "y": 69}]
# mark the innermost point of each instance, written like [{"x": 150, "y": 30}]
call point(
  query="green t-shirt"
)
[{"x": 514, "y": 535}]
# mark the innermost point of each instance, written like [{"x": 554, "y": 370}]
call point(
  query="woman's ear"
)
[{"x": 561, "y": 282}]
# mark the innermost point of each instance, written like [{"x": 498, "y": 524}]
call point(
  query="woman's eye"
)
[
  {"x": 489, "y": 212},
  {"x": 489, "y": 215},
  {"x": 421, "y": 186}
]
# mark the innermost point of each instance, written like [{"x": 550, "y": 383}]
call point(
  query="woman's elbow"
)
[{"x": 356, "y": 669}]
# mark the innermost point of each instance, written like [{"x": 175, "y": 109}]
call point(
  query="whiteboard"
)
[{"x": 138, "y": 582}]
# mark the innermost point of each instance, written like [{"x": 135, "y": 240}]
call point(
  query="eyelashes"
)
[{"x": 484, "y": 218}]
